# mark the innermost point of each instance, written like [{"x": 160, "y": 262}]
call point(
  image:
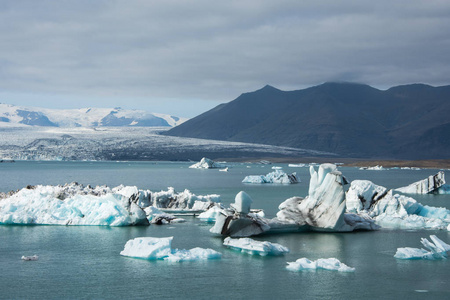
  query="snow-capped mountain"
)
[{"x": 84, "y": 117}]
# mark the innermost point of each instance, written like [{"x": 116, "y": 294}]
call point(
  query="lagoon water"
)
[{"x": 83, "y": 262}]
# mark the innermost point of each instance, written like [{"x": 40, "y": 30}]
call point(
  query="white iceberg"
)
[
  {"x": 395, "y": 211},
  {"x": 331, "y": 264},
  {"x": 152, "y": 248},
  {"x": 80, "y": 206},
  {"x": 428, "y": 185},
  {"x": 278, "y": 176},
  {"x": 75, "y": 204},
  {"x": 253, "y": 247},
  {"x": 297, "y": 165},
  {"x": 323, "y": 209},
  {"x": 28, "y": 258},
  {"x": 206, "y": 163},
  {"x": 210, "y": 215},
  {"x": 375, "y": 168},
  {"x": 436, "y": 249}
]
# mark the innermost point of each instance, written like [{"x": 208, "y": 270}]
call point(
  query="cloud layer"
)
[{"x": 211, "y": 50}]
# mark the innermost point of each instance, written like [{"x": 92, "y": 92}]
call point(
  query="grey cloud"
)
[{"x": 217, "y": 50}]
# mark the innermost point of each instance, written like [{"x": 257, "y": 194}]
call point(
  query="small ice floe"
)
[
  {"x": 206, "y": 163},
  {"x": 152, "y": 248},
  {"x": 436, "y": 249},
  {"x": 297, "y": 165},
  {"x": 210, "y": 215},
  {"x": 253, "y": 247},
  {"x": 224, "y": 170},
  {"x": 278, "y": 176},
  {"x": 33, "y": 257},
  {"x": 331, "y": 264},
  {"x": 376, "y": 168},
  {"x": 277, "y": 168}
]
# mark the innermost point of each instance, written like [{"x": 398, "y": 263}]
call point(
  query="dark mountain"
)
[{"x": 352, "y": 120}]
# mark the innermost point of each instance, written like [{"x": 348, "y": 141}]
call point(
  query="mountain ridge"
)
[
  {"x": 83, "y": 117},
  {"x": 351, "y": 119}
]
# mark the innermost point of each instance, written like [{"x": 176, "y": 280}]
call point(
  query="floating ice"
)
[
  {"x": 331, "y": 264},
  {"x": 296, "y": 165},
  {"x": 436, "y": 249},
  {"x": 253, "y": 247},
  {"x": 33, "y": 257},
  {"x": 278, "y": 176},
  {"x": 75, "y": 204},
  {"x": 155, "y": 216},
  {"x": 224, "y": 170},
  {"x": 210, "y": 215},
  {"x": 391, "y": 210},
  {"x": 152, "y": 248},
  {"x": 376, "y": 168},
  {"x": 323, "y": 209},
  {"x": 206, "y": 163},
  {"x": 425, "y": 186}
]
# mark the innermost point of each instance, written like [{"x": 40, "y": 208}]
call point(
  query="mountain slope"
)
[
  {"x": 353, "y": 120},
  {"x": 84, "y": 117}
]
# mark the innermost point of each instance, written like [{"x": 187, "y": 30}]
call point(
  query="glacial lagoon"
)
[{"x": 83, "y": 262}]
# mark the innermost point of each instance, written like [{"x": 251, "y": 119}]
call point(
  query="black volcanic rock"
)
[{"x": 353, "y": 120}]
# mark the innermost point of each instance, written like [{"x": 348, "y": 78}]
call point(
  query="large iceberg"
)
[
  {"x": 152, "y": 248},
  {"x": 428, "y": 185},
  {"x": 391, "y": 210},
  {"x": 278, "y": 176},
  {"x": 206, "y": 163},
  {"x": 436, "y": 249},
  {"x": 332, "y": 264},
  {"x": 253, "y": 247},
  {"x": 75, "y": 204},
  {"x": 322, "y": 210}
]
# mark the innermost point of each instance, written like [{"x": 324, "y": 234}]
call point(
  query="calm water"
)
[{"x": 84, "y": 262}]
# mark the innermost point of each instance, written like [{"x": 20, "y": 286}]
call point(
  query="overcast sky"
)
[{"x": 185, "y": 57}]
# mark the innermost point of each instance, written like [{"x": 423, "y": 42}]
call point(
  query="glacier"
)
[
  {"x": 428, "y": 185},
  {"x": 250, "y": 246},
  {"x": 152, "y": 248},
  {"x": 75, "y": 204},
  {"x": 332, "y": 264},
  {"x": 206, "y": 163},
  {"x": 278, "y": 176},
  {"x": 436, "y": 249}
]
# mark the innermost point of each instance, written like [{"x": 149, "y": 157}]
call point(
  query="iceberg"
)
[
  {"x": 253, "y": 247},
  {"x": 75, "y": 204},
  {"x": 155, "y": 216},
  {"x": 278, "y": 176},
  {"x": 238, "y": 221},
  {"x": 323, "y": 209},
  {"x": 428, "y": 185},
  {"x": 28, "y": 258},
  {"x": 395, "y": 211},
  {"x": 211, "y": 214},
  {"x": 436, "y": 249},
  {"x": 206, "y": 163},
  {"x": 331, "y": 264},
  {"x": 70, "y": 204},
  {"x": 375, "y": 168},
  {"x": 152, "y": 248}
]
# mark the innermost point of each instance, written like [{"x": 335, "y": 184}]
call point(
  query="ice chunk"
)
[
  {"x": 206, "y": 163},
  {"x": 43, "y": 205},
  {"x": 182, "y": 202},
  {"x": 278, "y": 176},
  {"x": 155, "y": 216},
  {"x": 152, "y": 248},
  {"x": 425, "y": 186},
  {"x": 253, "y": 247},
  {"x": 375, "y": 168},
  {"x": 33, "y": 257},
  {"x": 331, "y": 264},
  {"x": 210, "y": 215},
  {"x": 436, "y": 249},
  {"x": 391, "y": 210}
]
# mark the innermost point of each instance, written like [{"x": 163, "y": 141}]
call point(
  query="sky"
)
[{"x": 185, "y": 57}]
